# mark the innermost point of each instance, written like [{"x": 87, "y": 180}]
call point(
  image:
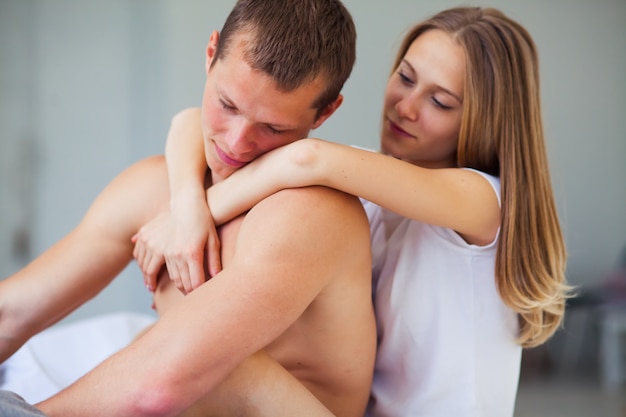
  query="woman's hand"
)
[{"x": 179, "y": 239}]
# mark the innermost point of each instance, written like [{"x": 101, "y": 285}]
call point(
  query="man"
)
[{"x": 291, "y": 307}]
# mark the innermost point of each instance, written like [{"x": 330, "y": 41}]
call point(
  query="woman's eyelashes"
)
[
  {"x": 440, "y": 104},
  {"x": 407, "y": 80},
  {"x": 410, "y": 81}
]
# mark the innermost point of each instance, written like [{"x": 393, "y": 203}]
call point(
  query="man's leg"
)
[{"x": 259, "y": 387}]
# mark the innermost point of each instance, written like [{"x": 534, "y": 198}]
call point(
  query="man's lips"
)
[{"x": 227, "y": 159}]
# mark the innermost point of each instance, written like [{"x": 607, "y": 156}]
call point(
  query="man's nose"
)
[{"x": 241, "y": 138}]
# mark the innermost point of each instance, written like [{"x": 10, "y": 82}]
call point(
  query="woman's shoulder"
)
[{"x": 492, "y": 179}]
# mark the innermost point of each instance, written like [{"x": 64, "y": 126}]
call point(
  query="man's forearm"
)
[
  {"x": 117, "y": 387},
  {"x": 188, "y": 352}
]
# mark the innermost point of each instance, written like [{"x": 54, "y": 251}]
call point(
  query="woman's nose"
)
[{"x": 407, "y": 108}]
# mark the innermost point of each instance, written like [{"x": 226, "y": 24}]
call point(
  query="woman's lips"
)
[
  {"x": 227, "y": 159},
  {"x": 397, "y": 130}
]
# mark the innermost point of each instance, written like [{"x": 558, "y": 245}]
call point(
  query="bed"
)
[{"x": 55, "y": 358}]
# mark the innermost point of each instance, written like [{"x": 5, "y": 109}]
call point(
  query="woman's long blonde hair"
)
[{"x": 502, "y": 134}]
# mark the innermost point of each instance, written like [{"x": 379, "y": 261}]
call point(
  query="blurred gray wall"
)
[{"x": 88, "y": 87}]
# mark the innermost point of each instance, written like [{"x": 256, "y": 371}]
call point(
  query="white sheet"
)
[{"x": 57, "y": 357}]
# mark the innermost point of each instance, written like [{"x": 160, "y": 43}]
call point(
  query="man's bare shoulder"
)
[
  {"x": 305, "y": 224},
  {"x": 315, "y": 210},
  {"x": 307, "y": 199}
]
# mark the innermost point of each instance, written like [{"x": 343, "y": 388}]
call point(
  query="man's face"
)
[{"x": 244, "y": 115}]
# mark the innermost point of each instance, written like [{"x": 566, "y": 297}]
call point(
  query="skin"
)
[
  {"x": 287, "y": 269},
  {"x": 421, "y": 119},
  {"x": 415, "y": 175},
  {"x": 233, "y": 135},
  {"x": 246, "y": 120},
  {"x": 423, "y": 103},
  {"x": 422, "y": 115}
]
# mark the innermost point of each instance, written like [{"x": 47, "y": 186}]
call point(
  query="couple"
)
[{"x": 285, "y": 325}]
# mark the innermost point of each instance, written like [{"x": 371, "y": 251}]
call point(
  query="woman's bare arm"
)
[
  {"x": 458, "y": 199},
  {"x": 455, "y": 198},
  {"x": 183, "y": 236}
]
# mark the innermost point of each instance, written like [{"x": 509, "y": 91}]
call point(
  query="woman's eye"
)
[
  {"x": 405, "y": 79},
  {"x": 440, "y": 104}
]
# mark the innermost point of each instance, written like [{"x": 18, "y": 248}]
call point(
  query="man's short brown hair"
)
[{"x": 295, "y": 42}]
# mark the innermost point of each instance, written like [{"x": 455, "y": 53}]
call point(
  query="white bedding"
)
[{"x": 57, "y": 357}]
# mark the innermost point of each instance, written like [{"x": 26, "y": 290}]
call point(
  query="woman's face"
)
[{"x": 424, "y": 102}]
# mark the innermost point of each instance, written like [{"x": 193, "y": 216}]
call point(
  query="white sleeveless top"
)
[{"x": 446, "y": 341}]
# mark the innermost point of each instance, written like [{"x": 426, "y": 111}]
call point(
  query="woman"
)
[{"x": 469, "y": 258}]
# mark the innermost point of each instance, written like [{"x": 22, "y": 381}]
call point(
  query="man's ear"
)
[
  {"x": 328, "y": 111},
  {"x": 211, "y": 49}
]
